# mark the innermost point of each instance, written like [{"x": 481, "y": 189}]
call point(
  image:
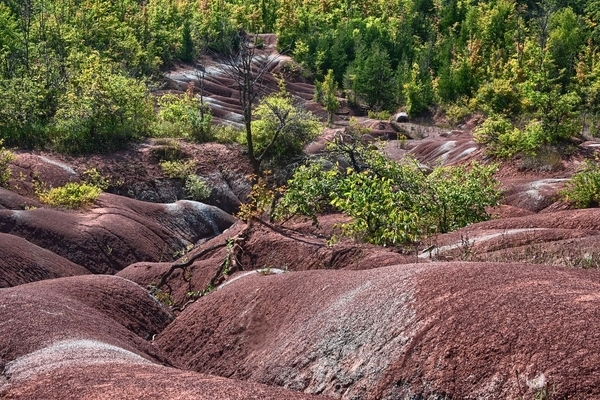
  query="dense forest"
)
[{"x": 76, "y": 74}]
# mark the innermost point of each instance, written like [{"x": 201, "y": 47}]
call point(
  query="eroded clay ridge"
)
[
  {"x": 91, "y": 338},
  {"x": 455, "y": 330},
  {"x": 117, "y": 232}
]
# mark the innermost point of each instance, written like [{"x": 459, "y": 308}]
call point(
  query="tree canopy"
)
[{"x": 533, "y": 63}]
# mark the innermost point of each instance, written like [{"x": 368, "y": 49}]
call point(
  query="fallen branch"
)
[{"x": 187, "y": 263}]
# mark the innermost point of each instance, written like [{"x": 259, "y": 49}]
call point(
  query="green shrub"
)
[
  {"x": 183, "y": 116},
  {"x": 308, "y": 193},
  {"x": 458, "y": 196},
  {"x": 392, "y": 203},
  {"x": 73, "y": 195},
  {"x": 584, "y": 188},
  {"x": 457, "y": 111},
  {"x": 499, "y": 96},
  {"x": 178, "y": 169},
  {"x": 226, "y": 134},
  {"x": 196, "y": 188},
  {"x": 503, "y": 140},
  {"x": 93, "y": 177},
  {"x": 376, "y": 209},
  {"x": 380, "y": 115},
  {"x": 6, "y": 156},
  {"x": 22, "y": 111}
]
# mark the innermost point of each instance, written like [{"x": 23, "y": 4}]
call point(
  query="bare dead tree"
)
[{"x": 248, "y": 71}]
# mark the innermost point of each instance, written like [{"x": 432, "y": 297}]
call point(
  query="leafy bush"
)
[
  {"x": 504, "y": 140},
  {"x": 309, "y": 192},
  {"x": 376, "y": 210},
  {"x": 226, "y": 134},
  {"x": 458, "y": 111},
  {"x": 102, "y": 110},
  {"x": 73, "y": 195},
  {"x": 381, "y": 115},
  {"x": 584, "y": 188},
  {"x": 22, "y": 113},
  {"x": 178, "y": 169},
  {"x": 458, "y": 195},
  {"x": 499, "y": 97},
  {"x": 326, "y": 94},
  {"x": 93, "y": 177},
  {"x": 392, "y": 203},
  {"x": 183, "y": 116},
  {"x": 6, "y": 156},
  {"x": 196, "y": 188}
]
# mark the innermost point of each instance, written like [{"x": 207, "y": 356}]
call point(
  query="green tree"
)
[
  {"x": 418, "y": 91},
  {"x": 187, "y": 52},
  {"x": 101, "y": 110},
  {"x": 460, "y": 194},
  {"x": 583, "y": 190},
  {"x": 281, "y": 129},
  {"x": 371, "y": 77},
  {"x": 566, "y": 41},
  {"x": 326, "y": 94}
]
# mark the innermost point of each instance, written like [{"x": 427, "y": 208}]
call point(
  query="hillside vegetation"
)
[{"x": 76, "y": 74}]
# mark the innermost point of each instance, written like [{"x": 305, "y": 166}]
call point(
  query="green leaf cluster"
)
[
  {"x": 281, "y": 129},
  {"x": 178, "y": 169},
  {"x": 196, "y": 188},
  {"x": 183, "y": 116},
  {"x": 392, "y": 203},
  {"x": 101, "y": 110},
  {"x": 73, "y": 195},
  {"x": 326, "y": 94},
  {"x": 583, "y": 190}
]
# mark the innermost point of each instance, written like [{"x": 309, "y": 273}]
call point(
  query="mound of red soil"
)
[
  {"x": 118, "y": 233},
  {"x": 563, "y": 238},
  {"x": 461, "y": 330},
  {"x": 89, "y": 338},
  {"x": 532, "y": 195},
  {"x": 102, "y": 309},
  {"x": 13, "y": 201},
  {"x": 23, "y": 262},
  {"x": 136, "y": 173},
  {"x": 130, "y": 378},
  {"x": 28, "y": 167}
]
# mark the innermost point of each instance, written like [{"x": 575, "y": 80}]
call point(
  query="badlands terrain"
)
[{"x": 113, "y": 301}]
